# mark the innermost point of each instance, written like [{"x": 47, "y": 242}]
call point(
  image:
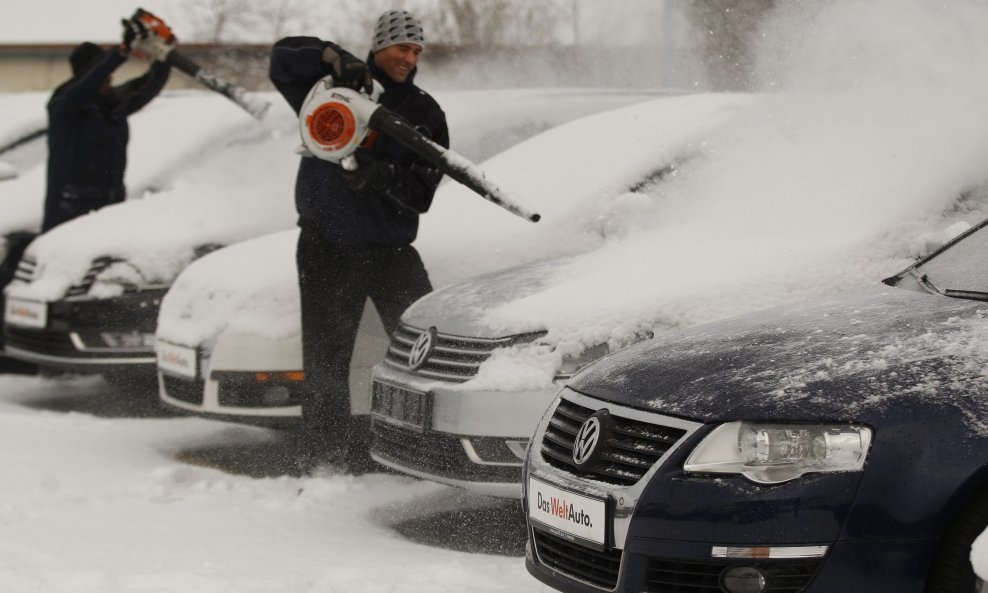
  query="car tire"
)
[{"x": 952, "y": 571}]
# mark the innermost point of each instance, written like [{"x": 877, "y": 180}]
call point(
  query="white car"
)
[{"x": 229, "y": 343}]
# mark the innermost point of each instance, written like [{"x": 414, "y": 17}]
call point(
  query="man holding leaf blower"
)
[
  {"x": 87, "y": 123},
  {"x": 87, "y": 137},
  {"x": 357, "y": 226}
]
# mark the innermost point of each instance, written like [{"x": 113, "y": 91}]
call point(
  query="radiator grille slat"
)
[
  {"x": 625, "y": 457},
  {"x": 599, "y": 569},
  {"x": 453, "y": 358}
]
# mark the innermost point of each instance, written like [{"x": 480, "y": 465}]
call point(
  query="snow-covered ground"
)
[
  {"x": 836, "y": 189},
  {"x": 96, "y": 499}
]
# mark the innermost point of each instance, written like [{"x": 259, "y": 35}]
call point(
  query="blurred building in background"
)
[{"x": 472, "y": 43}]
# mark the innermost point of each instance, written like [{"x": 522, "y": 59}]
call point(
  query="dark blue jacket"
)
[
  {"x": 88, "y": 135},
  {"x": 324, "y": 200}
]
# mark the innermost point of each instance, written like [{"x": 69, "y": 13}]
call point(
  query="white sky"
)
[{"x": 66, "y": 21}]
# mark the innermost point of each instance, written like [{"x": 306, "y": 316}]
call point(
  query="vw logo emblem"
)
[
  {"x": 421, "y": 349},
  {"x": 586, "y": 440}
]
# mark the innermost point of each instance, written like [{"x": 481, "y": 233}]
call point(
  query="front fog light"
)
[
  {"x": 743, "y": 579},
  {"x": 773, "y": 453}
]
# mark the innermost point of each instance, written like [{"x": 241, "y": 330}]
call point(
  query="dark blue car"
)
[{"x": 840, "y": 446}]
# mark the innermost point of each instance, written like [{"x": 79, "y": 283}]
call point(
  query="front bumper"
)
[
  {"x": 687, "y": 567},
  {"x": 91, "y": 335},
  {"x": 452, "y": 435},
  {"x": 240, "y": 378},
  {"x": 672, "y": 531}
]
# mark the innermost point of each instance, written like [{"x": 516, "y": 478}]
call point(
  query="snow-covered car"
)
[
  {"x": 229, "y": 343},
  {"x": 836, "y": 445},
  {"x": 86, "y": 294},
  {"x": 748, "y": 222}
]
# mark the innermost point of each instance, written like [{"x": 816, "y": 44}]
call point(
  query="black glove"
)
[
  {"x": 133, "y": 30},
  {"x": 371, "y": 173},
  {"x": 348, "y": 71}
]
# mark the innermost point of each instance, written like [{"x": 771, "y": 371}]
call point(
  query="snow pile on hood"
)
[
  {"x": 251, "y": 287},
  {"x": 215, "y": 295}
]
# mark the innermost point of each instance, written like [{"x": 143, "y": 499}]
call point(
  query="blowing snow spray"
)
[{"x": 333, "y": 122}]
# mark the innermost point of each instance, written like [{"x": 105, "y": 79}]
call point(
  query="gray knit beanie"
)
[{"x": 397, "y": 26}]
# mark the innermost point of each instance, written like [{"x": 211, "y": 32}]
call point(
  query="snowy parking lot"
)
[
  {"x": 103, "y": 492},
  {"x": 864, "y": 148}
]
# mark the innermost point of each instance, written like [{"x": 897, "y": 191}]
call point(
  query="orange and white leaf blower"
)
[
  {"x": 160, "y": 45},
  {"x": 334, "y": 121}
]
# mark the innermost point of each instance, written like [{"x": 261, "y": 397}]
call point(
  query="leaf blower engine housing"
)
[{"x": 334, "y": 121}]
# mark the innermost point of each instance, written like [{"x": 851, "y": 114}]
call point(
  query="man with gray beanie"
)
[{"x": 356, "y": 228}]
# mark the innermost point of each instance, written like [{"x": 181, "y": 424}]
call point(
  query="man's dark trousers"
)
[{"x": 334, "y": 283}]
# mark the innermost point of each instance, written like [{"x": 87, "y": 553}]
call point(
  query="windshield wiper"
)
[
  {"x": 926, "y": 283},
  {"x": 954, "y": 293}
]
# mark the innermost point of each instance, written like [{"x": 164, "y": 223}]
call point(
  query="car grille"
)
[
  {"x": 665, "y": 575},
  {"x": 33, "y": 340},
  {"x": 599, "y": 569},
  {"x": 184, "y": 389},
  {"x": 130, "y": 313},
  {"x": 634, "y": 448},
  {"x": 242, "y": 390},
  {"x": 27, "y": 268},
  {"x": 453, "y": 358},
  {"x": 437, "y": 454}
]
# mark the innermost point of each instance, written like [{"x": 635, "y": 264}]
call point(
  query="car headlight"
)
[{"x": 769, "y": 453}]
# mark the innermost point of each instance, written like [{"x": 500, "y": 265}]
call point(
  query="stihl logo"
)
[
  {"x": 558, "y": 507},
  {"x": 343, "y": 98}
]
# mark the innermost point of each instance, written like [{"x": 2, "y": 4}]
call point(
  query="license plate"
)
[
  {"x": 569, "y": 515},
  {"x": 26, "y": 313},
  {"x": 177, "y": 360},
  {"x": 400, "y": 405}
]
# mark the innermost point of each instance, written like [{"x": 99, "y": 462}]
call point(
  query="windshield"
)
[{"x": 960, "y": 266}]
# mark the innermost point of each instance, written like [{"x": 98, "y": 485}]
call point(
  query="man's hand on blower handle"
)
[
  {"x": 348, "y": 71},
  {"x": 148, "y": 35},
  {"x": 132, "y": 31}
]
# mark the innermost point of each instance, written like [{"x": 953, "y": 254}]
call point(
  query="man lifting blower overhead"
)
[
  {"x": 87, "y": 125},
  {"x": 87, "y": 137}
]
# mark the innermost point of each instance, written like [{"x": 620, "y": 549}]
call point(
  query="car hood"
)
[
  {"x": 462, "y": 309},
  {"x": 850, "y": 358}
]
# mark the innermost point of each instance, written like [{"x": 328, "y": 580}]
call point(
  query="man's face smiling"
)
[{"x": 397, "y": 61}]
